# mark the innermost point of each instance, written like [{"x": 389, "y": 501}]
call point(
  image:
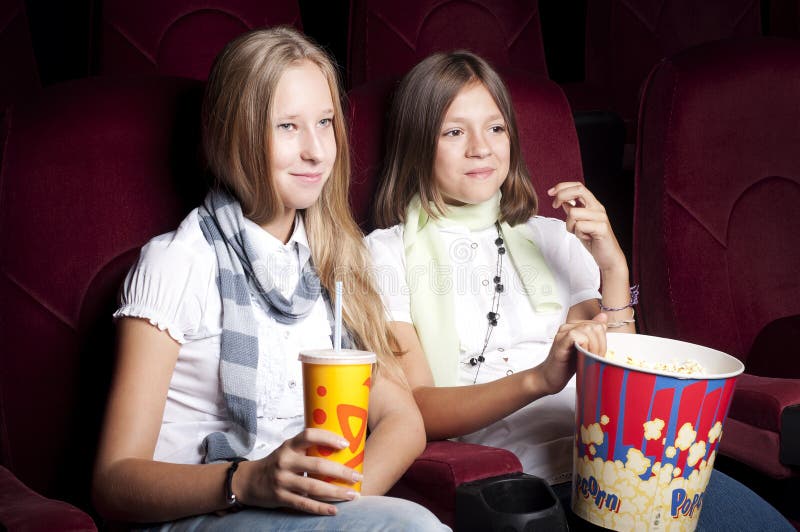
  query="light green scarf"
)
[{"x": 428, "y": 270}]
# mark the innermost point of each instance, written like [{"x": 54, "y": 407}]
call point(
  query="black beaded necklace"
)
[{"x": 493, "y": 316}]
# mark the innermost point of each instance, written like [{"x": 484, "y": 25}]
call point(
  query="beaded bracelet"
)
[
  {"x": 634, "y": 301},
  {"x": 622, "y": 323}
]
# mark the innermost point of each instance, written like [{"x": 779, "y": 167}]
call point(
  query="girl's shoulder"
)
[
  {"x": 385, "y": 236},
  {"x": 183, "y": 246},
  {"x": 545, "y": 231},
  {"x": 390, "y": 238},
  {"x": 386, "y": 246}
]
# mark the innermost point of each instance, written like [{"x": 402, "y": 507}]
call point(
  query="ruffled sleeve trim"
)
[{"x": 159, "y": 320}]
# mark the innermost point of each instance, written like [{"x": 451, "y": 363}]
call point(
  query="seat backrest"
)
[
  {"x": 92, "y": 170},
  {"x": 19, "y": 77},
  {"x": 179, "y": 37},
  {"x": 717, "y": 178},
  {"x": 387, "y": 38},
  {"x": 547, "y": 135},
  {"x": 625, "y": 38}
]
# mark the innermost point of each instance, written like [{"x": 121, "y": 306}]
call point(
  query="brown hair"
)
[
  {"x": 236, "y": 113},
  {"x": 418, "y": 109}
]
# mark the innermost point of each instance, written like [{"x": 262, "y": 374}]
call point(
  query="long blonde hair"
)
[
  {"x": 418, "y": 109},
  {"x": 236, "y": 113}
]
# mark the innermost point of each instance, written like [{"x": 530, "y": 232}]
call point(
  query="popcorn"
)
[
  {"x": 686, "y": 436},
  {"x": 696, "y": 452},
  {"x": 685, "y": 367},
  {"x": 637, "y": 462},
  {"x": 592, "y": 434},
  {"x": 652, "y": 429},
  {"x": 715, "y": 432}
]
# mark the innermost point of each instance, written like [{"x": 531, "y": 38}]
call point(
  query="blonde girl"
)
[{"x": 205, "y": 414}]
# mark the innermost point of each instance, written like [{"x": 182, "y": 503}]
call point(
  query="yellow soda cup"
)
[{"x": 336, "y": 387}]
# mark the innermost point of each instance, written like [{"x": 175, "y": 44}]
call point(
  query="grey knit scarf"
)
[{"x": 241, "y": 272}]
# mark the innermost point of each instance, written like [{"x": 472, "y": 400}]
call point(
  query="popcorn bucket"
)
[{"x": 647, "y": 431}]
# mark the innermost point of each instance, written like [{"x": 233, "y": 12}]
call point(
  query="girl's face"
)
[
  {"x": 303, "y": 146},
  {"x": 473, "y": 151}
]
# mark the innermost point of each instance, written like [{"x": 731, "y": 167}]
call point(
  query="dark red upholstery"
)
[
  {"x": 717, "y": 174},
  {"x": 387, "y": 38},
  {"x": 19, "y": 77},
  {"x": 625, "y": 38},
  {"x": 91, "y": 171},
  {"x": 434, "y": 476},
  {"x": 547, "y": 136},
  {"x": 179, "y": 38},
  {"x": 23, "y": 509}
]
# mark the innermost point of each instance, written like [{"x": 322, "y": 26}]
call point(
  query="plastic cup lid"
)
[{"x": 332, "y": 357}]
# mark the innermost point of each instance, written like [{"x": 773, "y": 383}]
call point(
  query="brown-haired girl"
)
[
  {"x": 206, "y": 409},
  {"x": 488, "y": 300}
]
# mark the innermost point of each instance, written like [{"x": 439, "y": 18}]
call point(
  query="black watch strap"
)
[{"x": 230, "y": 497}]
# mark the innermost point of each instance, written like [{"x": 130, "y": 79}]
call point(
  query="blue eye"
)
[
  {"x": 326, "y": 122},
  {"x": 287, "y": 126}
]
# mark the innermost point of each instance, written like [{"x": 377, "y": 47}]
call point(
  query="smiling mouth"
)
[
  {"x": 480, "y": 173},
  {"x": 308, "y": 177}
]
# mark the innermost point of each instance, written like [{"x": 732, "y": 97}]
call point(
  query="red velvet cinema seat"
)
[
  {"x": 625, "y": 38},
  {"x": 550, "y": 147},
  {"x": 179, "y": 37},
  {"x": 92, "y": 170},
  {"x": 717, "y": 181},
  {"x": 387, "y": 38}
]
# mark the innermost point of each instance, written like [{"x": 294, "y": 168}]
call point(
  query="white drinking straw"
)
[{"x": 337, "y": 334}]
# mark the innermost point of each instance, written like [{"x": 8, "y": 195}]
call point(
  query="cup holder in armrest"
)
[{"x": 517, "y": 502}]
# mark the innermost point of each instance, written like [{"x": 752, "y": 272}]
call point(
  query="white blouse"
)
[
  {"x": 174, "y": 286},
  {"x": 541, "y": 433}
]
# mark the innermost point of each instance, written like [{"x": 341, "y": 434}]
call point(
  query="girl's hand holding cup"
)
[{"x": 278, "y": 480}]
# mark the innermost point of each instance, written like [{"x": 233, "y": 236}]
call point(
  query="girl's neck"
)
[{"x": 281, "y": 226}]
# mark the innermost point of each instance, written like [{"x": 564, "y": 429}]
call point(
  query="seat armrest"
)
[
  {"x": 759, "y": 401},
  {"x": 771, "y": 404},
  {"x": 23, "y": 509},
  {"x": 444, "y": 465}
]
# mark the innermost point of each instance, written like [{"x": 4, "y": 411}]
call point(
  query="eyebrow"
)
[
  {"x": 459, "y": 119},
  {"x": 295, "y": 116}
]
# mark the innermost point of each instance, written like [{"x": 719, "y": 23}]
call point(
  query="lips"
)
[
  {"x": 480, "y": 173},
  {"x": 308, "y": 177}
]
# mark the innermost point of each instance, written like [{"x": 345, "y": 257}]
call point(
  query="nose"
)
[
  {"x": 478, "y": 147},
  {"x": 312, "y": 149}
]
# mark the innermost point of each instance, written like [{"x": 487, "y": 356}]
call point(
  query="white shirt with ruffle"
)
[{"x": 174, "y": 286}]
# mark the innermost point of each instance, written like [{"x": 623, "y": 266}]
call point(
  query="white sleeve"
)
[
  {"x": 389, "y": 271},
  {"x": 584, "y": 274},
  {"x": 571, "y": 260},
  {"x": 168, "y": 286}
]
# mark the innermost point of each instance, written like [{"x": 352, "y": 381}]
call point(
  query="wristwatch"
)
[{"x": 233, "y": 503}]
